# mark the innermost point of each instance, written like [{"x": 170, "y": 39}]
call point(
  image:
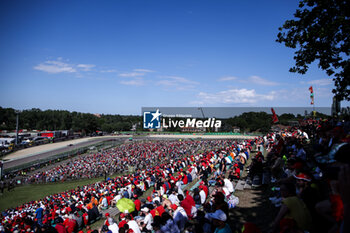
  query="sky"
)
[{"x": 114, "y": 57}]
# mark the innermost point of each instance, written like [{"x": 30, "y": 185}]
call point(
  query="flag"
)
[
  {"x": 274, "y": 116},
  {"x": 311, "y": 95},
  {"x": 311, "y": 89}
]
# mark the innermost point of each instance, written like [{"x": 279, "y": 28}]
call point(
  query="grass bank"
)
[{"x": 27, "y": 193}]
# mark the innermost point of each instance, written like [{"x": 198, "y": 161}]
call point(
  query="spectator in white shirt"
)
[
  {"x": 203, "y": 196},
  {"x": 148, "y": 220},
  {"x": 132, "y": 224}
]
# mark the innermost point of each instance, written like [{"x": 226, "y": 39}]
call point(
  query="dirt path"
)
[{"x": 254, "y": 206}]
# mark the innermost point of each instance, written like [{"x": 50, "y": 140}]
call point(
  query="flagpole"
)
[
  {"x": 314, "y": 111},
  {"x": 313, "y": 105},
  {"x": 312, "y": 101}
]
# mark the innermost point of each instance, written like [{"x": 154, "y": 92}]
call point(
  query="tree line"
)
[
  {"x": 89, "y": 123},
  {"x": 64, "y": 120}
]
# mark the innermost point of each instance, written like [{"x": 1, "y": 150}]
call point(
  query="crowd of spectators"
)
[
  {"x": 310, "y": 177},
  {"x": 116, "y": 160},
  {"x": 165, "y": 167},
  {"x": 308, "y": 168}
]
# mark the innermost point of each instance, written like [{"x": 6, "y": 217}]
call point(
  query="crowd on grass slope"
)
[
  {"x": 112, "y": 161},
  {"x": 311, "y": 182},
  {"x": 165, "y": 166}
]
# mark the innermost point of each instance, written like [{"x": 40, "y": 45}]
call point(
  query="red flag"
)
[
  {"x": 274, "y": 116},
  {"x": 311, "y": 89}
]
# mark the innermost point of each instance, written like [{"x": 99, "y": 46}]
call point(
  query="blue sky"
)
[{"x": 117, "y": 56}]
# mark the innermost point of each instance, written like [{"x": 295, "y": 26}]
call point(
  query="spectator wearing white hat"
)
[
  {"x": 147, "y": 221},
  {"x": 218, "y": 219}
]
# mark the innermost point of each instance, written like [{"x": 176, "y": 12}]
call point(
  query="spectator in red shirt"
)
[
  {"x": 85, "y": 217},
  {"x": 137, "y": 203},
  {"x": 190, "y": 198},
  {"x": 70, "y": 224},
  {"x": 185, "y": 179},
  {"x": 60, "y": 228},
  {"x": 155, "y": 212},
  {"x": 184, "y": 203},
  {"x": 88, "y": 229},
  {"x": 122, "y": 220},
  {"x": 109, "y": 199},
  {"x": 160, "y": 210}
]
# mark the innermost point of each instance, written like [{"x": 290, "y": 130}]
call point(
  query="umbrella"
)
[{"x": 126, "y": 204}]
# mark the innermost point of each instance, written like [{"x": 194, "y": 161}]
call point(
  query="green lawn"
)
[{"x": 26, "y": 193}]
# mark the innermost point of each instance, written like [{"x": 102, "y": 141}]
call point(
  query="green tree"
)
[
  {"x": 7, "y": 118},
  {"x": 321, "y": 32},
  {"x": 251, "y": 121},
  {"x": 62, "y": 120},
  {"x": 285, "y": 118}
]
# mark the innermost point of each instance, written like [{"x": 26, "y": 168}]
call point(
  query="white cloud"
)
[
  {"x": 109, "y": 71},
  {"x": 131, "y": 74},
  {"x": 61, "y": 66},
  {"x": 178, "y": 83},
  {"x": 54, "y": 67},
  {"x": 234, "y": 96},
  {"x": 321, "y": 82},
  {"x": 136, "y": 73},
  {"x": 143, "y": 70},
  {"x": 260, "y": 81},
  {"x": 251, "y": 80},
  {"x": 85, "y": 67},
  {"x": 229, "y": 78},
  {"x": 134, "y": 82}
]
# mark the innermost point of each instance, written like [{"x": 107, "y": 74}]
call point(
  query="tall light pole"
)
[
  {"x": 202, "y": 112},
  {"x": 17, "y": 120},
  {"x": 203, "y": 116}
]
